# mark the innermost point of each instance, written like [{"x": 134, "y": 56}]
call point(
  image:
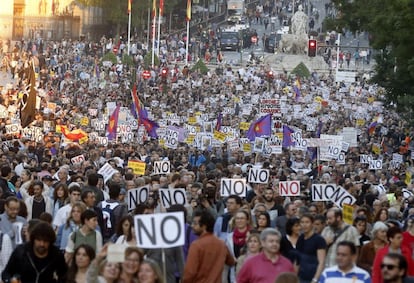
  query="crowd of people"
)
[{"x": 60, "y": 215}]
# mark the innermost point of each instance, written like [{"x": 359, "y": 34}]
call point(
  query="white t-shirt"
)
[{"x": 62, "y": 215}]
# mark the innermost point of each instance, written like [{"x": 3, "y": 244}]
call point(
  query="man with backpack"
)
[{"x": 112, "y": 210}]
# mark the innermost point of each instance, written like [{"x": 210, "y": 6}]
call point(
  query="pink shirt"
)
[{"x": 259, "y": 269}]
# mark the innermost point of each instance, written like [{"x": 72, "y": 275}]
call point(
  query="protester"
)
[
  {"x": 207, "y": 254},
  {"x": 346, "y": 253},
  {"x": 102, "y": 271},
  {"x": 11, "y": 223},
  {"x": 394, "y": 236},
  {"x": 73, "y": 223},
  {"x": 150, "y": 272},
  {"x": 38, "y": 258},
  {"x": 394, "y": 269},
  {"x": 83, "y": 256},
  {"x": 311, "y": 251},
  {"x": 131, "y": 265},
  {"x": 253, "y": 247},
  {"x": 267, "y": 265}
]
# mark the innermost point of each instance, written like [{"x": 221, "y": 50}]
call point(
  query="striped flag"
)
[{"x": 188, "y": 10}]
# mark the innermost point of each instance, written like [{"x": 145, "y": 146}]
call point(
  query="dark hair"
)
[
  {"x": 309, "y": 216},
  {"x": 73, "y": 268},
  {"x": 392, "y": 231},
  {"x": 47, "y": 217},
  {"x": 266, "y": 214},
  {"x": 140, "y": 208},
  {"x": 337, "y": 212},
  {"x": 348, "y": 244},
  {"x": 11, "y": 199},
  {"x": 93, "y": 179},
  {"x": 85, "y": 193},
  {"x": 22, "y": 209},
  {"x": 206, "y": 218},
  {"x": 178, "y": 208},
  {"x": 119, "y": 231},
  {"x": 290, "y": 223},
  {"x": 402, "y": 261},
  {"x": 320, "y": 217},
  {"x": 114, "y": 190},
  {"x": 43, "y": 231},
  {"x": 88, "y": 214},
  {"x": 237, "y": 199},
  {"x": 74, "y": 187},
  {"x": 37, "y": 183},
  {"x": 378, "y": 214},
  {"x": 5, "y": 170}
]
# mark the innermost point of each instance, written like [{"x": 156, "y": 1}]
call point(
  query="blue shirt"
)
[{"x": 334, "y": 275}]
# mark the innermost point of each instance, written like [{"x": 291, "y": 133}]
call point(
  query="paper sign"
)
[
  {"x": 170, "y": 197},
  {"x": 107, "y": 171},
  {"x": 138, "y": 167},
  {"x": 116, "y": 253},
  {"x": 161, "y": 230},
  {"x": 137, "y": 196}
]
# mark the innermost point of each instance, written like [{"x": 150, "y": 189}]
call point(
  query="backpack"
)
[{"x": 108, "y": 218}]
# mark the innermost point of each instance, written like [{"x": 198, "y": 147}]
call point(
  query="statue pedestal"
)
[{"x": 288, "y": 62}]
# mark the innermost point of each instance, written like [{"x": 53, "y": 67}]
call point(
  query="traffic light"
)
[
  {"x": 312, "y": 48},
  {"x": 164, "y": 74}
]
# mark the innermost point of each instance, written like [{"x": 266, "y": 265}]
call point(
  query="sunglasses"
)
[{"x": 388, "y": 266}]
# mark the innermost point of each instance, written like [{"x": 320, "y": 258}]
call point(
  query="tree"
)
[{"x": 390, "y": 25}]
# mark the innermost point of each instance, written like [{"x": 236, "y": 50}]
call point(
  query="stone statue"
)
[
  {"x": 296, "y": 41},
  {"x": 299, "y": 22}
]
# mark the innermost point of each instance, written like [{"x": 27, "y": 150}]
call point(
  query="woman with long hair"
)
[
  {"x": 26, "y": 180},
  {"x": 381, "y": 215},
  {"x": 237, "y": 239},
  {"x": 130, "y": 266},
  {"x": 262, "y": 221},
  {"x": 150, "y": 272},
  {"x": 72, "y": 224},
  {"x": 60, "y": 196},
  {"x": 288, "y": 242},
  {"x": 84, "y": 254},
  {"x": 125, "y": 233},
  {"x": 253, "y": 247}
]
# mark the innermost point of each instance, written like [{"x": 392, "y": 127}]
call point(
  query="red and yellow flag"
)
[
  {"x": 129, "y": 6},
  {"x": 161, "y": 7},
  {"x": 154, "y": 8},
  {"x": 74, "y": 135},
  {"x": 188, "y": 10}
]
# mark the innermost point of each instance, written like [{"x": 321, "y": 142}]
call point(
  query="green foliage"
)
[
  {"x": 390, "y": 25},
  {"x": 127, "y": 60},
  {"x": 200, "y": 66},
  {"x": 148, "y": 60},
  {"x": 301, "y": 71},
  {"x": 110, "y": 56}
]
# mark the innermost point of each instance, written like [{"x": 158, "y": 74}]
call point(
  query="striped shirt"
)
[{"x": 334, "y": 275}]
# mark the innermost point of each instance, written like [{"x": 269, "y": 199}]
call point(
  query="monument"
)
[{"x": 293, "y": 48}]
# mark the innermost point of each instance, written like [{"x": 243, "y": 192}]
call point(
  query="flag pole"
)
[
  {"x": 187, "y": 42},
  {"x": 154, "y": 18},
  {"x": 159, "y": 32},
  {"x": 129, "y": 26}
]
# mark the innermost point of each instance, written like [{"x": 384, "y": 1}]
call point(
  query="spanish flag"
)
[
  {"x": 74, "y": 135},
  {"x": 161, "y": 7},
  {"x": 188, "y": 10},
  {"x": 154, "y": 8}
]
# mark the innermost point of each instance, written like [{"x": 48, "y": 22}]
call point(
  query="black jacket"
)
[{"x": 30, "y": 269}]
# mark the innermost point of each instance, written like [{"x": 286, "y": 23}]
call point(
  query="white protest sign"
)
[
  {"x": 77, "y": 159},
  {"x": 161, "y": 167},
  {"x": 341, "y": 197},
  {"x": 258, "y": 175},
  {"x": 161, "y": 230},
  {"x": 137, "y": 196},
  {"x": 322, "y": 192},
  {"x": 375, "y": 164},
  {"x": 289, "y": 188},
  {"x": 233, "y": 187},
  {"x": 116, "y": 253},
  {"x": 341, "y": 158},
  {"x": 107, "y": 171},
  {"x": 171, "y": 138},
  {"x": 169, "y": 197},
  {"x": 365, "y": 159}
]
